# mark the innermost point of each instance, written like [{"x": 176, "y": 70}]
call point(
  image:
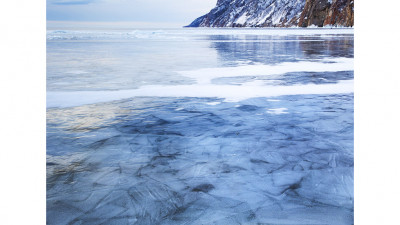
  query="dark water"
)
[{"x": 286, "y": 159}]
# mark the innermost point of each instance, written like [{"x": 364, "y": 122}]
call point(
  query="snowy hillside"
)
[{"x": 278, "y": 13}]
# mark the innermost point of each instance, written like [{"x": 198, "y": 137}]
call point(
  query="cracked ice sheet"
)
[{"x": 226, "y": 163}]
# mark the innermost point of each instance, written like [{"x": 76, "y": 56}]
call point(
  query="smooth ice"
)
[{"x": 132, "y": 139}]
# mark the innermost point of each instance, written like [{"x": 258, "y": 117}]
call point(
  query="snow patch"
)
[
  {"x": 213, "y": 103},
  {"x": 242, "y": 19},
  {"x": 229, "y": 92},
  {"x": 77, "y": 72},
  {"x": 277, "y": 111},
  {"x": 204, "y": 76}
]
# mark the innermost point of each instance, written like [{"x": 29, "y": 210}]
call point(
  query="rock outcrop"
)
[
  {"x": 324, "y": 12},
  {"x": 278, "y": 13}
]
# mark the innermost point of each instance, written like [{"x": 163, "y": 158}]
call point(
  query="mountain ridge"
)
[{"x": 278, "y": 13}]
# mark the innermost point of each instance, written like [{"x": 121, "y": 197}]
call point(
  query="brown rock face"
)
[
  {"x": 341, "y": 12},
  {"x": 323, "y": 12}
]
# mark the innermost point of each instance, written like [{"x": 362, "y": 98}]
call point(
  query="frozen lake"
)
[{"x": 200, "y": 126}]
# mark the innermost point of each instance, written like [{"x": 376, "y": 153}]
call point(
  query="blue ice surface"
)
[
  {"x": 182, "y": 161},
  {"x": 164, "y": 160}
]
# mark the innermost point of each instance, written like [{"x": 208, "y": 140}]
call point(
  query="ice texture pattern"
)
[{"x": 271, "y": 145}]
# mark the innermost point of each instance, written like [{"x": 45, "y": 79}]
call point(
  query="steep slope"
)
[{"x": 278, "y": 13}]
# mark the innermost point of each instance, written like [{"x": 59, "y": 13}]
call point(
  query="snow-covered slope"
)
[{"x": 278, "y": 13}]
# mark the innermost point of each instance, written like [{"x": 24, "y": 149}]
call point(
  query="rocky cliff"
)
[{"x": 278, "y": 13}]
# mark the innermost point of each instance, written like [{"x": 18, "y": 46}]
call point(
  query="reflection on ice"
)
[{"x": 111, "y": 60}]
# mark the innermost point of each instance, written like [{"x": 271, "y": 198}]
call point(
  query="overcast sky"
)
[{"x": 148, "y": 11}]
